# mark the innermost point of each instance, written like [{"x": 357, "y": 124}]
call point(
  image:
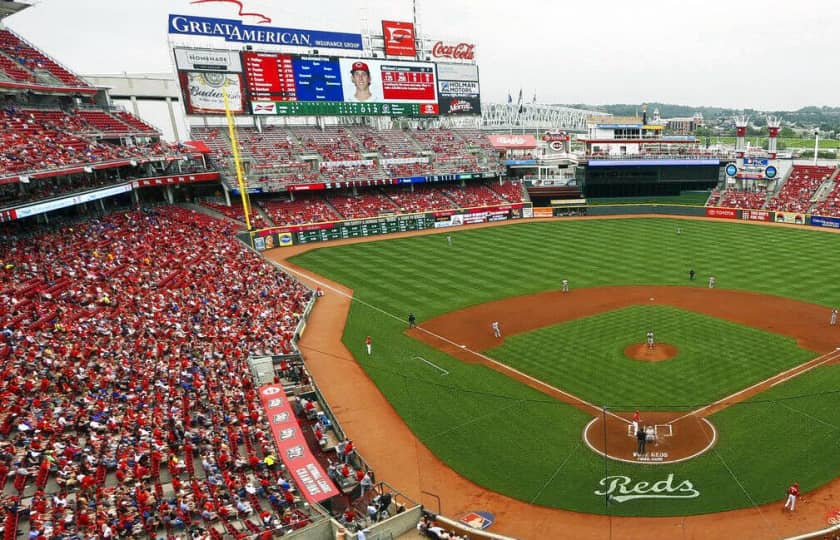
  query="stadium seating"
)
[
  {"x": 473, "y": 195},
  {"x": 363, "y": 205},
  {"x": 830, "y": 206},
  {"x": 732, "y": 198},
  {"x": 141, "y": 403},
  {"x": 799, "y": 188},
  {"x": 510, "y": 190},
  {"x": 234, "y": 212},
  {"x": 421, "y": 199},
  {"x": 305, "y": 209},
  {"x": 279, "y": 156},
  {"x": 34, "y": 61}
]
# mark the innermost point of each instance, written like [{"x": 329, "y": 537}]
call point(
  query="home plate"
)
[{"x": 463, "y": 346}]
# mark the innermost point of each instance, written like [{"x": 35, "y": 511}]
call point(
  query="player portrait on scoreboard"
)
[{"x": 363, "y": 87}]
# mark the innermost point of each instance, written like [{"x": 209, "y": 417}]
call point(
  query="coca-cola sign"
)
[{"x": 461, "y": 51}]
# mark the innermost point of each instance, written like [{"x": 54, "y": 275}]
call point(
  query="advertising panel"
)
[
  {"x": 399, "y": 38},
  {"x": 236, "y": 31},
  {"x": 830, "y": 222},
  {"x": 291, "y": 85},
  {"x": 203, "y": 92},
  {"x": 207, "y": 60},
  {"x": 756, "y": 215},
  {"x": 790, "y": 217},
  {"x": 728, "y": 213},
  {"x": 312, "y": 481},
  {"x": 513, "y": 141},
  {"x": 458, "y": 89}
]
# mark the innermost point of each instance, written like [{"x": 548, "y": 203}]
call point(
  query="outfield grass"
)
[
  {"x": 585, "y": 357},
  {"x": 512, "y": 439}
]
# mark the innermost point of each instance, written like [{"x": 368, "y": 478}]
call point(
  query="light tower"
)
[
  {"x": 773, "y": 124},
  {"x": 741, "y": 135}
]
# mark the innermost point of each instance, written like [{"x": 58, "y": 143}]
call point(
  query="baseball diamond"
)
[{"x": 527, "y": 443}]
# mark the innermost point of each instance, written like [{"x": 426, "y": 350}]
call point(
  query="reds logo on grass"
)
[{"x": 621, "y": 489}]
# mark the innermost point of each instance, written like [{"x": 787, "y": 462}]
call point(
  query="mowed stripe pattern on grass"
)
[
  {"x": 474, "y": 421},
  {"x": 585, "y": 357}
]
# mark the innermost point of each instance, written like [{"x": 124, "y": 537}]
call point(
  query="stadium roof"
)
[{"x": 10, "y": 7}]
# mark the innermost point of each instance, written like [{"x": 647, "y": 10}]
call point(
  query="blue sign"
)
[
  {"x": 830, "y": 222},
  {"x": 770, "y": 172},
  {"x": 412, "y": 180},
  {"x": 731, "y": 170},
  {"x": 236, "y": 31},
  {"x": 520, "y": 162},
  {"x": 317, "y": 79},
  {"x": 756, "y": 161}
]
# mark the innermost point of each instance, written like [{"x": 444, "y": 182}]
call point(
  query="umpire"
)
[
  {"x": 641, "y": 438},
  {"x": 412, "y": 320}
]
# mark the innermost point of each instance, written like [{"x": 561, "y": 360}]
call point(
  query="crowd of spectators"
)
[
  {"x": 751, "y": 199},
  {"x": 361, "y": 206},
  {"x": 472, "y": 195},
  {"x": 800, "y": 187},
  {"x": 127, "y": 406},
  {"x": 34, "y": 62},
  {"x": 304, "y": 209},
  {"x": 34, "y": 140}
]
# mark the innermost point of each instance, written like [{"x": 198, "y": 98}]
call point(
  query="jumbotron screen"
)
[{"x": 293, "y": 85}]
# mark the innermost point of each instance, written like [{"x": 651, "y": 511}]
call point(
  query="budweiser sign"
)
[{"x": 461, "y": 51}]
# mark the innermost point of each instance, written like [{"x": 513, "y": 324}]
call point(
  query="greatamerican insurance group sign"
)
[{"x": 238, "y": 32}]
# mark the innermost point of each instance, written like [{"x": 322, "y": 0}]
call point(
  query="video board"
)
[
  {"x": 458, "y": 89},
  {"x": 294, "y": 85}
]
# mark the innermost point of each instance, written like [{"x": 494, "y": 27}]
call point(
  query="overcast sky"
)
[{"x": 768, "y": 54}]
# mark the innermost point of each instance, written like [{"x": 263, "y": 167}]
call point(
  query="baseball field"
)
[{"x": 749, "y": 379}]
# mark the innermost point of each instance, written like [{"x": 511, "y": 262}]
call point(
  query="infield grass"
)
[
  {"x": 512, "y": 439},
  {"x": 585, "y": 357}
]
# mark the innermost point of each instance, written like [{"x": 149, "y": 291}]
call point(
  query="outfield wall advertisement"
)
[{"x": 324, "y": 232}]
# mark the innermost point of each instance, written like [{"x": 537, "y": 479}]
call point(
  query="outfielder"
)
[
  {"x": 565, "y": 285},
  {"x": 496, "y": 330},
  {"x": 711, "y": 282}
]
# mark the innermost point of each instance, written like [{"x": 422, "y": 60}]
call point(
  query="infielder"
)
[
  {"x": 368, "y": 344},
  {"x": 650, "y": 342},
  {"x": 711, "y": 282},
  {"x": 496, "y": 330},
  {"x": 833, "y": 320},
  {"x": 793, "y": 493},
  {"x": 565, "y": 285}
]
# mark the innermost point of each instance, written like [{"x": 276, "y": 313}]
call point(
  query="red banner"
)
[
  {"x": 728, "y": 213},
  {"x": 399, "y": 38},
  {"x": 513, "y": 141},
  {"x": 313, "y": 483},
  {"x": 755, "y": 215}
]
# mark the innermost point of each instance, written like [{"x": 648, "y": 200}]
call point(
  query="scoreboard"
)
[
  {"x": 368, "y": 227},
  {"x": 269, "y": 77},
  {"x": 295, "y": 85}
]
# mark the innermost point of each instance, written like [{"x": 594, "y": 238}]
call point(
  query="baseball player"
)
[
  {"x": 412, "y": 320},
  {"x": 368, "y": 344},
  {"x": 650, "y": 342},
  {"x": 496, "y": 330},
  {"x": 833, "y": 320},
  {"x": 449, "y": 240},
  {"x": 565, "y": 285},
  {"x": 711, "y": 282},
  {"x": 793, "y": 493}
]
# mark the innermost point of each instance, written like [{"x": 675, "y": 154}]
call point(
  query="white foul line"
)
[
  {"x": 825, "y": 358},
  {"x": 431, "y": 364}
]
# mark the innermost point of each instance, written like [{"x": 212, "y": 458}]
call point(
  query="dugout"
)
[{"x": 630, "y": 178}]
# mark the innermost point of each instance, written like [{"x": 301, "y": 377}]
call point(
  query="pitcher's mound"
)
[{"x": 640, "y": 351}]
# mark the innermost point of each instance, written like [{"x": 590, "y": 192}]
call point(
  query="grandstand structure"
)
[{"x": 132, "y": 396}]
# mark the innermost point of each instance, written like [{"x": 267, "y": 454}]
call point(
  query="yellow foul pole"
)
[{"x": 237, "y": 163}]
